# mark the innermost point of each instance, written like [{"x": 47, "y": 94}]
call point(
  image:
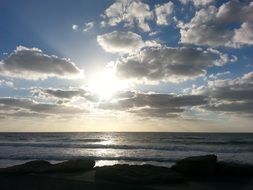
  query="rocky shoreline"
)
[{"x": 199, "y": 172}]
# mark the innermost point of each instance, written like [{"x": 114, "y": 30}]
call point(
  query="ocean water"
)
[{"x": 161, "y": 149}]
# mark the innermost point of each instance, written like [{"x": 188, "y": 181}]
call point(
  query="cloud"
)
[
  {"x": 155, "y": 64},
  {"x": 153, "y": 105},
  {"x": 163, "y": 13},
  {"x": 32, "y": 63},
  {"x": 75, "y": 27},
  {"x": 6, "y": 83},
  {"x": 244, "y": 35},
  {"x": 229, "y": 95},
  {"x": 123, "y": 42},
  {"x": 129, "y": 12},
  {"x": 24, "y": 106},
  {"x": 198, "y": 3},
  {"x": 65, "y": 94},
  {"x": 229, "y": 25},
  {"x": 88, "y": 26}
]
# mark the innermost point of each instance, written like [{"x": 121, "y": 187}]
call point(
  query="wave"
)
[
  {"x": 130, "y": 147},
  {"x": 96, "y": 158}
]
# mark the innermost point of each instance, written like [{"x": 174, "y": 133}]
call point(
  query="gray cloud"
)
[
  {"x": 32, "y": 63},
  {"x": 169, "y": 64},
  {"x": 24, "y": 106},
  {"x": 123, "y": 42},
  {"x": 230, "y": 95},
  {"x": 211, "y": 26},
  {"x": 153, "y": 105},
  {"x": 65, "y": 94}
]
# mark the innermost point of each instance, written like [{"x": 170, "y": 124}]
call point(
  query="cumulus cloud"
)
[
  {"x": 88, "y": 26},
  {"x": 153, "y": 105},
  {"x": 198, "y": 3},
  {"x": 129, "y": 12},
  {"x": 229, "y": 25},
  {"x": 163, "y": 13},
  {"x": 32, "y": 63},
  {"x": 123, "y": 42},
  {"x": 229, "y": 95},
  {"x": 156, "y": 64}
]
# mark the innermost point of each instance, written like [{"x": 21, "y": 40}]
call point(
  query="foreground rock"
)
[
  {"x": 40, "y": 166},
  {"x": 198, "y": 173},
  {"x": 197, "y": 165},
  {"x": 72, "y": 166},
  {"x": 137, "y": 174},
  {"x": 234, "y": 169}
]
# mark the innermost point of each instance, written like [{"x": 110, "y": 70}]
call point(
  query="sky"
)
[{"x": 126, "y": 65}]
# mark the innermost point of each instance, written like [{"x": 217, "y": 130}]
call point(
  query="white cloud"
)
[
  {"x": 32, "y": 63},
  {"x": 6, "y": 83},
  {"x": 215, "y": 27},
  {"x": 244, "y": 35},
  {"x": 163, "y": 13},
  {"x": 75, "y": 27},
  {"x": 198, "y": 3},
  {"x": 130, "y": 12},
  {"x": 123, "y": 42},
  {"x": 88, "y": 26}
]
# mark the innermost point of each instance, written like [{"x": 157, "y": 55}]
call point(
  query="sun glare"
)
[{"x": 105, "y": 84}]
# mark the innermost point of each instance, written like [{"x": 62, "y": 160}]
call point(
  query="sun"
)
[{"x": 105, "y": 84}]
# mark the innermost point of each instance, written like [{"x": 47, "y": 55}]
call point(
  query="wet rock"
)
[
  {"x": 137, "y": 174},
  {"x": 197, "y": 165}
]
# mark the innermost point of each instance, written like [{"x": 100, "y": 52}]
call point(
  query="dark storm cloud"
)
[{"x": 32, "y": 63}]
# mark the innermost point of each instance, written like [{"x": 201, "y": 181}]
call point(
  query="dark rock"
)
[
  {"x": 234, "y": 169},
  {"x": 72, "y": 166},
  {"x": 29, "y": 167},
  {"x": 197, "y": 165},
  {"x": 137, "y": 174},
  {"x": 40, "y": 166}
]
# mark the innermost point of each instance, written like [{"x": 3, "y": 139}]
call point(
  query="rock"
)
[
  {"x": 234, "y": 169},
  {"x": 197, "y": 165},
  {"x": 36, "y": 166},
  {"x": 40, "y": 166},
  {"x": 137, "y": 174},
  {"x": 72, "y": 166}
]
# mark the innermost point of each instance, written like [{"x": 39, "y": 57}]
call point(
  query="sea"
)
[{"x": 108, "y": 148}]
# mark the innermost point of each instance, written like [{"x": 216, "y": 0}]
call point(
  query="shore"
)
[{"x": 192, "y": 173}]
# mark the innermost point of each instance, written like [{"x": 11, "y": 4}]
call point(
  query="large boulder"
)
[
  {"x": 137, "y": 174},
  {"x": 197, "y": 165},
  {"x": 35, "y": 166},
  {"x": 72, "y": 166}
]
